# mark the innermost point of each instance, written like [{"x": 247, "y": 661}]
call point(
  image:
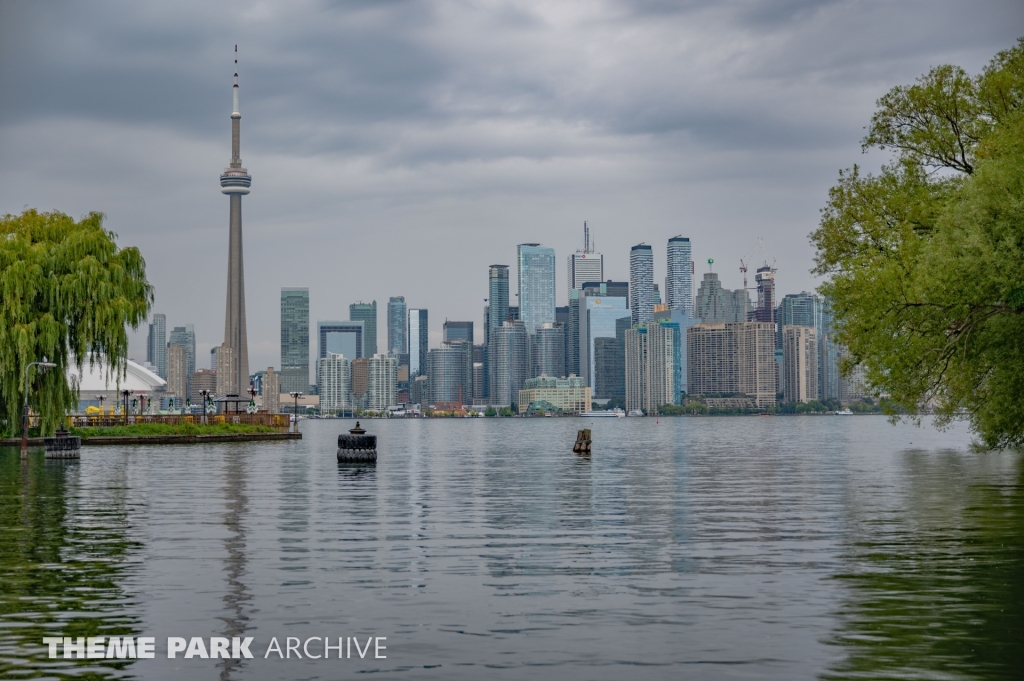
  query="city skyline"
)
[{"x": 359, "y": 156}]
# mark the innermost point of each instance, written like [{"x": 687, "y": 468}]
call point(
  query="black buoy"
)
[
  {"x": 63, "y": 446},
  {"x": 357, "y": 446}
]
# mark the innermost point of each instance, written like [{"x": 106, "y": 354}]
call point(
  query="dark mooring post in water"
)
[
  {"x": 63, "y": 446},
  {"x": 357, "y": 446},
  {"x": 582, "y": 445}
]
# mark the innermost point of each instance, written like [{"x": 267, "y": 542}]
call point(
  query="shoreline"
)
[{"x": 162, "y": 439}]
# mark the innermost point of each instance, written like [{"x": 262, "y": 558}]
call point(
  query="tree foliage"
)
[
  {"x": 925, "y": 261},
  {"x": 66, "y": 291}
]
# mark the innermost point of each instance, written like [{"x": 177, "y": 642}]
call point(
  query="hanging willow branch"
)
[{"x": 66, "y": 291}]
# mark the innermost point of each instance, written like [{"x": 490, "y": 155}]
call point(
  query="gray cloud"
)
[{"x": 398, "y": 148}]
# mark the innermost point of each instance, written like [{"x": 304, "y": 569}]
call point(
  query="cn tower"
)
[{"x": 235, "y": 182}]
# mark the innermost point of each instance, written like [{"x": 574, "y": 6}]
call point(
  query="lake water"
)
[{"x": 703, "y": 548}]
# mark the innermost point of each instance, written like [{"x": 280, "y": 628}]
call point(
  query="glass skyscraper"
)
[
  {"x": 679, "y": 282},
  {"x": 185, "y": 336},
  {"x": 641, "y": 283},
  {"x": 418, "y": 343},
  {"x": 536, "y": 285},
  {"x": 397, "y": 342},
  {"x": 497, "y": 299},
  {"x": 156, "y": 350},
  {"x": 597, "y": 320},
  {"x": 295, "y": 340},
  {"x": 367, "y": 314}
]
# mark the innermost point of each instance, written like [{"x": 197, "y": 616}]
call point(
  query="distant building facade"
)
[
  {"x": 716, "y": 305},
  {"x": 510, "y": 362},
  {"x": 185, "y": 336},
  {"x": 548, "y": 347},
  {"x": 382, "y": 382},
  {"x": 726, "y": 359},
  {"x": 568, "y": 395},
  {"x": 202, "y": 379},
  {"x": 156, "y": 347},
  {"x": 679, "y": 280},
  {"x": 641, "y": 284},
  {"x": 419, "y": 342},
  {"x": 177, "y": 373},
  {"x": 367, "y": 314},
  {"x": 340, "y": 338},
  {"x": 536, "y": 265},
  {"x": 457, "y": 331},
  {"x": 334, "y": 379},
  {"x": 295, "y": 339},
  {"x": 272, "y": 391},
  {"x": 397, "y": 326},
  {"x": 800, "y": 363},
  {"x": 227, "y": 381}
]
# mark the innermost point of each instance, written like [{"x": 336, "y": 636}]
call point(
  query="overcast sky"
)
[{"x": 399, "y": 148}]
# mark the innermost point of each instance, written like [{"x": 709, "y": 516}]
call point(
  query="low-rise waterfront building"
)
[{"x": 567, "y": 395}]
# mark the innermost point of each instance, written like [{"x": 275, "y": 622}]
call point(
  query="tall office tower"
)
[
  {"x": 513, "y": 313},
  {"x": 156, "y": 350},
  {"x": 598, "y": 316},
  {"x": 294, "y": 339},
  {"x": 641, "y": 284},
  {"x": 536, "y": 285},
  {"x": 829, "y": 379},
  {"x": 572, "y": 336},
  {"x": 548, "y": 347},
  {"x": 585, "y": 265},
  {"x": 360, "y": 380},
  {"x": 397, "y": 342},
  {"x": 479, "y": 383},
  {"x": 765, "y": 310},
  {"x": 636, "y": 368},
  {"x": 202, "y": 379},
  {"x": 419, "y": 343},
  {"x": 458, "y": 331},
  {"x": 367, "y": 314},
  {"x": 272, "y": 391},
  {"x": 679, "y": 282},
  {"x": 227, "y": 381},
  {"x": 717, "y": 305},
  {"x": 497, "y": 300},
  {"x": 800, "y": 350},
  {"x": 177, "y": 373},
  {"x": 563, "y": 317},
  {"x": 185, "y": 336},
  {"x": 731, "y": 358},
  {"x": 235, "y": 182},
  {"x": 451, "y": 374},
  {"x": 657, "y": 296},
  {"x": 610, "y": 362},
  {"x": 334, "y": 379},
  {"x": 340, "y": 338},
  {"x": 213, "y": 359},
  {"x": 510, "y": 362},
  {"x": 382, "y": 382}
]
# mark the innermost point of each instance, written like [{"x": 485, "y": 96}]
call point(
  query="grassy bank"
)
[{"x": 172, "y": 429}]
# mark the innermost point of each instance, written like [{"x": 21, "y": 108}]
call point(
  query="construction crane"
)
[{"x": 745, "y": 260}]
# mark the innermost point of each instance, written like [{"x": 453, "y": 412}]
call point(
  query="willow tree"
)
[
  {"x": 66, "y": 290},
  {"x": 925, "y": 260}
]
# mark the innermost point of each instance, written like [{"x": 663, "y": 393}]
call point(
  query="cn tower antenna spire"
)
[{"x": 235, "y": 88}]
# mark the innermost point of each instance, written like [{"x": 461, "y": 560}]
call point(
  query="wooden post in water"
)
[{"x": 582, "y": 445}]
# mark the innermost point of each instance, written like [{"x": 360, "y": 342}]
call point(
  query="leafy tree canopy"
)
[
  {"x": 66, "y": 290},
  {"x": 925, "y": 261}
]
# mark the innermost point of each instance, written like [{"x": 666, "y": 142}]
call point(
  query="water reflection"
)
[
  {"x": 237, "y": 596},
  {"x": 65, "y": 550},
  {"x": 937, "y": 580}
]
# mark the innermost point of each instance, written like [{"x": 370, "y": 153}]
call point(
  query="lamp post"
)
[
  {"x": 296, "y": 394},
  {"x": 205, "y": 394},
  {"x": 101, "y": 398},
  {"x": 24, "y": 415},
  {"x": 126, "y": 393}
]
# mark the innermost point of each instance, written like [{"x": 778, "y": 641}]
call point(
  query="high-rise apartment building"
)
[
  {"x": 510, "y": 361},
  {"x": 367, "y": 314},
  {"x": 227, "y": 381},
  {"x": 235, "y": 182},
  {"x": 156, "y": 348},
  {"x": 610, "y": 362},
  {"x": 458, "y": 331},
  {"x": 651, "y": 360},
  {"x": 829, "y": 379},
  {"x": 360, "y": 374},
  {"x": 334, "y": 379},
  {"x": 497, "y": 299},
  {"x": 397, "y": 326},
  {"x": 765, "y": 310},
  {"x": 294, "y": 339},
  {"x": 679, "y": 281},
  {"x": 572, "y": 335},
  {"x": 185, "y": 336},
  {"x": 536, "y": 285},
  {"x": 213, "y": 359},
  {"x": 200, "y": 380},
  {"x": 548, "y": 346},
  {"x": 340, "y": 338},
  {"x": 419, "y": 342},
  {"x": 684, "y": 320},
  {"x": 272, "y": 391},
  {"x": 177, "y": 372},
  {"x": 641, "y": 284},
  {"x": 716, "y": 305},
  {"x": 451, "y": 374},
  {"x": 382, "y": 382},
  {"x": 585, "y": 265},
  {"x": 732, "y": 358},
  {"x": 800, "y": 351}
]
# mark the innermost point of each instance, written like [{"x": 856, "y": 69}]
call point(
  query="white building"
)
[
  {"x": 382, "y": 382},
  {"x": 334, "y": 378}
]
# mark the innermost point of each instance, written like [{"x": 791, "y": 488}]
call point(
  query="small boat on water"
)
[{"x": 605, "y": 413}]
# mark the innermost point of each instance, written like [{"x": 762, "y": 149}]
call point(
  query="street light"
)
[
  {"x": 296, "y": 394},
  {"x": 126, "y": 393},
  {"x": 205, "y": 394},
  {"x": 24, "y": 416}
]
